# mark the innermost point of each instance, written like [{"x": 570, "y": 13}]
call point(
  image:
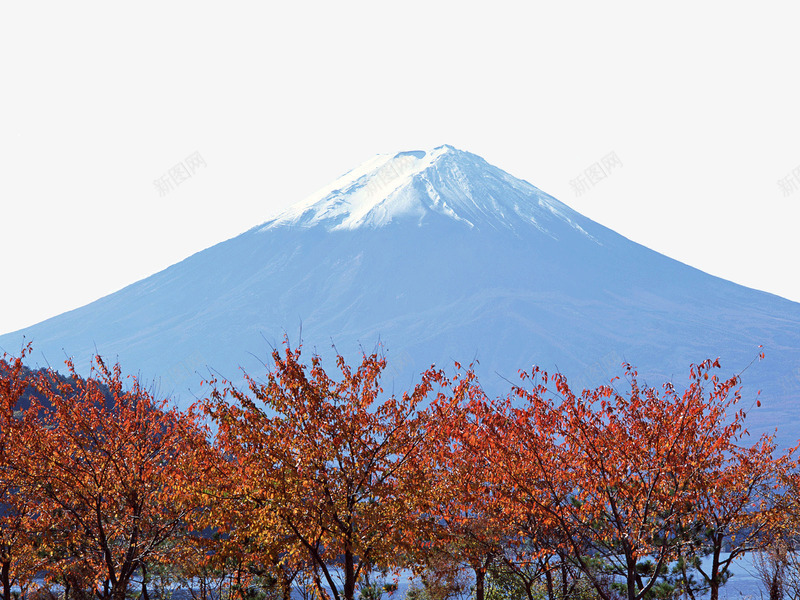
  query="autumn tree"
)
[
  {"x": 325, "y": 466},
  {"x": 528, "y": 474},
  {"x": 467, "y": 524},
  {"x": 108, "y": 471},
  {"x": 776, "y": 560},
  {"x": 617, "y": 474},
  {"x": 18, "y": 558},
  {"x": 738, "y": 506},
  {"x": 249, "y": 543}
]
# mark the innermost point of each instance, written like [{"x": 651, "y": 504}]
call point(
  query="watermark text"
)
[
  {"x": 595, "y": 173},
  {"x": 181, "y": 172},
  {"x": 791, "y": 183}
]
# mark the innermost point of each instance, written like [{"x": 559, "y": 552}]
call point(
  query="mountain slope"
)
[{"x": 441, "y": 257}]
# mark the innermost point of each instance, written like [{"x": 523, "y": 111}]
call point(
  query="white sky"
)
[{"x": 700, "y": 102}]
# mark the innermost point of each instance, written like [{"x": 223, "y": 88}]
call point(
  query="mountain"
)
[
  {"x": 439, "y": 256},
  {"x": 32, "y": 393}
]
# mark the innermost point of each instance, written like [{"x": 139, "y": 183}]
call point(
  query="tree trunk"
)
[
  {"x": 286, "y": 586},
  {"x": 480, "y": 577},
  {"x": 529, "y": 591},
  {"x": 318, "y": 584},
  {"x": 714, "y": 583},
  {"x": 6, "y": 575},
  {"x": 548, "y": 577},
  {"x": 119, "y": 591},
  {"x": 349, "y": 575},
  {"x": 631, "y": 575},
  {"x": 145, "y": 595}
]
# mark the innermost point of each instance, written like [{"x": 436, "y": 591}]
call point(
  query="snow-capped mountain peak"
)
[
  {"x": 419, "y": 185},
  {"x": 364, "y": 195}
]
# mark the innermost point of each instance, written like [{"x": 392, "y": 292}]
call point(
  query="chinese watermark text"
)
[
  {"x": 178, "y": 174},
  {"x": 791, "y": 183},
  {"x": 595, "y": 173}
]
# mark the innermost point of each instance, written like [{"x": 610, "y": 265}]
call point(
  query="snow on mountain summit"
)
[
  {"x": 362, "y": 196},
  {"x": 417, "y": 185}
]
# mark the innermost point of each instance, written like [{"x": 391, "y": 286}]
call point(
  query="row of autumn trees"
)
[{"x": 321, "y": 481}]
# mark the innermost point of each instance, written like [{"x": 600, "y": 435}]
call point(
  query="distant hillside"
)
[{"x": 43, "y": 374}]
